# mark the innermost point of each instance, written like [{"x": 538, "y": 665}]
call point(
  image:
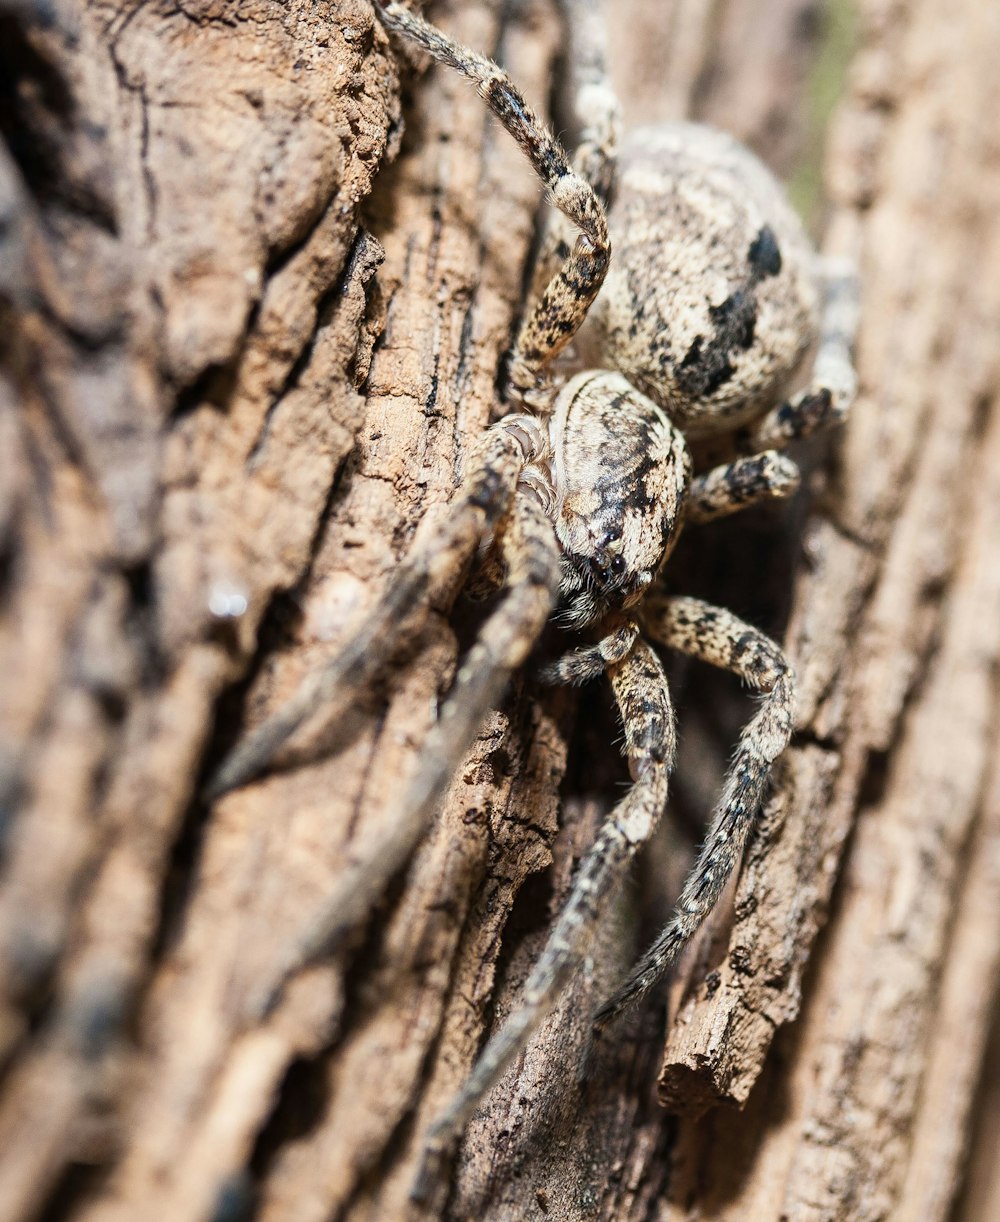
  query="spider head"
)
[
  {"x": 621, "y": 471},
  {"x": 591, "y": 587}
]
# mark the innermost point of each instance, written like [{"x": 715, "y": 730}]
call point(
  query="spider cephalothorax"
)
[
  {"x": 712, "y": 299},
  {"x": 620, "y": 473}
]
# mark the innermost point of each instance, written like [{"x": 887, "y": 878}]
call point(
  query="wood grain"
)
[{"x": 258, "y": 270}]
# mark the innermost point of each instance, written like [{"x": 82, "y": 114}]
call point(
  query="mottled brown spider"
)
[{"x": 696, "y": 325}]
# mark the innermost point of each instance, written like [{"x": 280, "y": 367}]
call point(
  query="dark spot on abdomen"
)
[{"x": 764, "y": 254}]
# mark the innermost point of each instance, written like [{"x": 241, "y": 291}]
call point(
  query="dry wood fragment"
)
[{"x": 257, "y": 274}]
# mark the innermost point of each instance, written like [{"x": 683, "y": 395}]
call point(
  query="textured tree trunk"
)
[{"x": 258, "y": 270}]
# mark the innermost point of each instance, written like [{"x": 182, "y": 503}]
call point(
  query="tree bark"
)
[{"x": 258, "y": 271}]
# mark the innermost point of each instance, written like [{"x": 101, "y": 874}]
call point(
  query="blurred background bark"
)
[{"x": 258, "y": 269}]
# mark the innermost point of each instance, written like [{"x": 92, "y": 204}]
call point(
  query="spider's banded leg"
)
[
  {"x": 506, "y": 639},
  {"x": 597, "y": 119},
  {"x": 737, "y": 485},
  {"x": 590, "y": 662},
  {"x": 833, "y": 383},
  {"x": 595, "y": 104},
  {"x": 640, "y": 688},
  {"x": 485, "y": 494},
  {"x": 716, "y": 636},
  {"x": 555, "y": 319}
]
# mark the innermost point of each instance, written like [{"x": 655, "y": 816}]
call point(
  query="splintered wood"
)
[{"x": 258, "y": 271}]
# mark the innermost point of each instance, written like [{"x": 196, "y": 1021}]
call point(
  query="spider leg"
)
[
  {"x": 555, "y": 318},
  {"x": 716, "y": 636},
  {"x": 532, "y": 556},
  {"x": 833, "y": 384},
  {"x": 826, "y": 401},
  {"x": 734, "y": 486},
  {"x": 595, "y": 104},
  {"x": 485, "y": 494},
  {"x": 596, "y": 117},
  {"x": 640, "y": 688}
]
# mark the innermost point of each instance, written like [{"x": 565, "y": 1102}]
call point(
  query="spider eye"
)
[{"x": 618, "y": 566}]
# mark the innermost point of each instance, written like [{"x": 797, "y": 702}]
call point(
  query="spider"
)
[{"x": 695, "y": 328}]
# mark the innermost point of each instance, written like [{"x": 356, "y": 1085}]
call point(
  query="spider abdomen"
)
[{"x": 711, "y": 301}]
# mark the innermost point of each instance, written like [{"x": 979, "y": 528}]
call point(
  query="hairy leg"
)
[
  {"x": 532, "y": 557},
  {"x": 833, "y": 384},
  {"x": 494, "y": 467},
  {"x": 640, "y": 688},
  {"x": 594, "y": 114},
  {"x": 555, "y": 318},
  {"x": 716, "y": 636},
  {"x": 737, "y": 485},
  {"x": 594, "y": 103}
]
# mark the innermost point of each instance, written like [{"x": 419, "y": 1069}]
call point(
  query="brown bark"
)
[{"x": 248, "y": 335}]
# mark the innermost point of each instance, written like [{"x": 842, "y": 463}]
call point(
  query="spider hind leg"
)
[
  {"x": 833, "y": 384},
  {"x": 738, "y": 485}
]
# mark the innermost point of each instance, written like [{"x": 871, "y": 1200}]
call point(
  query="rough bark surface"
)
[{"x": 251, "y": 322}]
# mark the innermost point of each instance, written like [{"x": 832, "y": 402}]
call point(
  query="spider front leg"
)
[
  {"x": 833, "y": 384},
  {"x": 533, "y": 573},
  {"x": 494, "y": 467},
  {"x": 556, "y": 317},
  {"x": 640, "y": 688},
  {"x": 702, "y": 631}
]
